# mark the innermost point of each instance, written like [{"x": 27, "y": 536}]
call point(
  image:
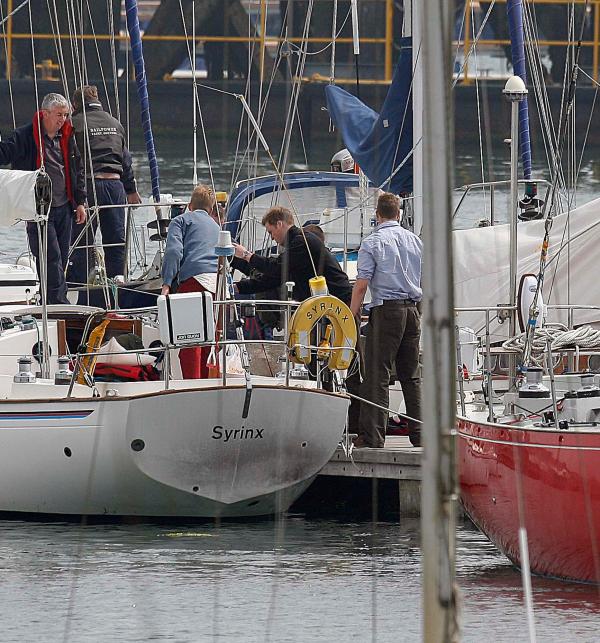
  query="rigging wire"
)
[
  {"x": 8, "y": 66},
  {"x": 296, "y": 86},
  {"x": 243, "y": 117},
  {"x": 263, "y": 112},
  {"x": 103, "y": 77},
  {"x": 12, "y": 13},
  {"x": 54, "y": 25},
  {"x": 113, "y": 56},
  {"x": 473, "y": 45},
  {"x": 197, "y": 104},
  {"x": 93, "y": 212},
  {"x": 333, "y": 42},
  {"x": 334, "y": 37},
  {"x": 549, "y": 205},
  {"x": 478, "y": 104},
  {"x": 589, "y": 123},
  {"x": 536, "y": 69}
]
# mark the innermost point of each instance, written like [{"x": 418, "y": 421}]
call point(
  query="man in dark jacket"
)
[
  {"x": 294, "y": 263},
  {"x": 110, "y": 182},
  {"x": 48, "y": 143}
]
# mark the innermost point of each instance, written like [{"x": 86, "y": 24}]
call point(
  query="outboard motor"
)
[{"x": 342, "y": 161}]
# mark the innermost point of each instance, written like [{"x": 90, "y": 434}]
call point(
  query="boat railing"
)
[
  {"x": 160, "y": 235},
  {"x": 150, "y": 314},
  {"x": 506, "y": 310},
  {"x": 491, "y": 188}
]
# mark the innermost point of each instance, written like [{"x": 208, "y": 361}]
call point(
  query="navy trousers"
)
[
  {"x": 112, "y": 227},
  {"x": 60, "y": 221}
]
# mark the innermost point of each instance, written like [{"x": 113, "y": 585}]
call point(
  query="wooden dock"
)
[
  {"x": 374, "y": 483},
  {"x": 398, "y": 460}
]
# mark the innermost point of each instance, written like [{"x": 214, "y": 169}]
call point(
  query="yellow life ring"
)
[{"x": 305, "y": 317}]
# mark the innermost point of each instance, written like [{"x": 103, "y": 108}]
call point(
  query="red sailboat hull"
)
[{"x": 557, "y": 475}]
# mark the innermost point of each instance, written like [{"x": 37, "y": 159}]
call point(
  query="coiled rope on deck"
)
[{"x": 560, "y": 337}]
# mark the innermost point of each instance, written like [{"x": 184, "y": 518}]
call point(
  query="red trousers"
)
[{"x": 193, "y": 360}]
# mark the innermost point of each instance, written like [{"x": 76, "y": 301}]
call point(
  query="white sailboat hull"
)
[{"x": 167, "y": 453}]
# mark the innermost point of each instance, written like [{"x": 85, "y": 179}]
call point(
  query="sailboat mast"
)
[
  {"x": 516, "y": 93},
  {"x": 514, "y": 12},
  {"x": 439, "y": 490},
  {"x": 133, "y": 27},
  {"x": 411, "y": 27}
]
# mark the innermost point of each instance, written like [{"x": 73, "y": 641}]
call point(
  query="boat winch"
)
[
  {"x": 533, "y": 385},
  {"x": 24, "y": 374},
  {"x": 588, "y": 387},
  {"x": 63, "y": 374}
]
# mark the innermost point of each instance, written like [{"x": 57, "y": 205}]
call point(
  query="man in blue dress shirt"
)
[{"x": 389, "y": 263}]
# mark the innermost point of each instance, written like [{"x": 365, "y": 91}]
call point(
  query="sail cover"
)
[
  {"x": 481, "y": 266},
  {"x": 381, "y": 143},
  {"x": 18, "y": 196}
]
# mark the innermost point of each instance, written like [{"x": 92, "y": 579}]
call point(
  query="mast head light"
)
[{"x": 515, "y": 89}]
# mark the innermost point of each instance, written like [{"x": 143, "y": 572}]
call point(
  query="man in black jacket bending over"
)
[
  {"x": 110, "y": 182},
  {"x": 294, "y": 263},
  {"x": 49, "y": 142}
]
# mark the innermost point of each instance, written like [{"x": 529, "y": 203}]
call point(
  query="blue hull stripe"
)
[{"x": 45, "y": 415}]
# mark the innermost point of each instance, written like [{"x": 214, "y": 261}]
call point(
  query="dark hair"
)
[
  {"x": 90, "y": 93},
  {"x": 278, "y": 214},
  {"x": 388, "y": 206},
  {"x": 317, "y": 230}
]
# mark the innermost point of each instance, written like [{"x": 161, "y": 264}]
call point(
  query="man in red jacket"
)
[{"x": 48, "y": 142}]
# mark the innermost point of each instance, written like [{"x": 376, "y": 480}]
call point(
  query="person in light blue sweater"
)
[
  {"x": 190, "y": 255},
  {"x": 190, "y": 249}
]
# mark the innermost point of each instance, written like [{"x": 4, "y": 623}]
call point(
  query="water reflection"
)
[{"x": 291, "y": 580}]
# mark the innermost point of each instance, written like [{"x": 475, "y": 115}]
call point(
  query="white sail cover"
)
[
  {"x": 17, "y": 196},
  {"x": 481, "y": 266}
]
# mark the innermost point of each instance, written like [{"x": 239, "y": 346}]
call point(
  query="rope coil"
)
[{"x": 561, "y": 338}]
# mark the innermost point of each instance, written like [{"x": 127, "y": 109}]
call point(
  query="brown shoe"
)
[{"x": 361, "y": 443}]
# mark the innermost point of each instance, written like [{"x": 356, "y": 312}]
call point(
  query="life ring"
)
[{"x": 305, "y": 317}]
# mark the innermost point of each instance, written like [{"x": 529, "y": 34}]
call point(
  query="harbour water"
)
[
  {"x": 290, "y": 580},
  {"x": 294, "y": 579}
]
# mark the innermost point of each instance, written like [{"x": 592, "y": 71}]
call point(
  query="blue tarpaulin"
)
[{"x": 379, "y": 143}]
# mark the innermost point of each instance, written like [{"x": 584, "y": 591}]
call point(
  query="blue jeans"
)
[
  {"x": 60, "y": 221},
  {"x": 112, "y": 227}
]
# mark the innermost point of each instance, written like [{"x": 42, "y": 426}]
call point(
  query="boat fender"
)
[{"x": 304, "y": 319}]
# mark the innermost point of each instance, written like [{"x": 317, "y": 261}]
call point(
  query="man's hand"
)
[
  {"x": 80, "y": 214},
  {"x": 241, "y": 252},
  {"x": 165, "y": 290},
  {"x": 133, "y": 198},
  {"x": 358, "y": 295}
]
